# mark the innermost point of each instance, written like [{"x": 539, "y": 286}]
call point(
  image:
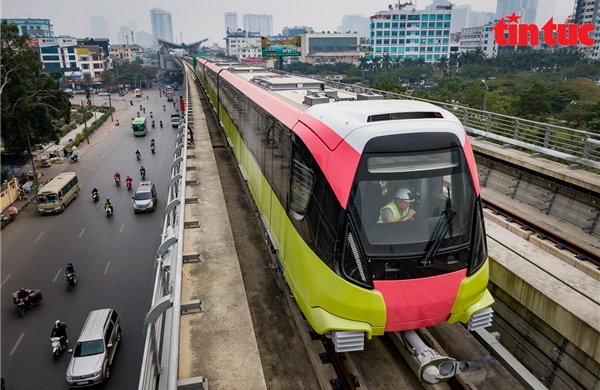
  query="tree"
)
[
  {"x": 386, "y": 62},
  {"x": 32, "y": 102}
]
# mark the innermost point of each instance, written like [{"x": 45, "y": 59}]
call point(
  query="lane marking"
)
[
  {"x": 40, "y": 236},
  {"x": 106, "y": 270},
  {"x": 5, "y": 279},
  {"x": 122, "y": 226},
  {"x": 16, "y": 344},
  {"x": 93, "y": 169},
  {"x": 81, "y": 234},
  {"x": 103, "y": 156},
  {"x": 58, "y": 273}
]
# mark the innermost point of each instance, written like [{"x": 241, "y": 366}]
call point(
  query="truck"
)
[{"x": 175, "y": 120}]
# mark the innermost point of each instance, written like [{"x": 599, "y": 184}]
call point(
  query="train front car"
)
[
  {"x": 328, "y": 172},
  {"x": 401, "y": 269}
]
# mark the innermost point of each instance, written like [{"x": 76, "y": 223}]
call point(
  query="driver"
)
[
  {"x": 109, "y": 205},
  {"x": 398, "y": 210},
  {"x": 60, "y": 330},
  {"x": 117, "y": 176},
  {"x": 143, "y": 171}
]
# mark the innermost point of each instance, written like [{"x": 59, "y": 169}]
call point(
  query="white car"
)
[
  {"x": 68, "y": 90},
  {"x": 104, "y": 94}
]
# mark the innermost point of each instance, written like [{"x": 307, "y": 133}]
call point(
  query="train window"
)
[{"x": 303, "y": 179}]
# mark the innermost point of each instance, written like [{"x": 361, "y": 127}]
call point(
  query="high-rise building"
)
[
  {"x": 479, "y": 18},
  {"x": 355, "y": 23},
  {"x": 125, "y": 36},
  {"x": 461, "y": 18},
  {"x": 259, "y": 23},
  {"x": 162, "y": 27},
  {"x": 144, "y": 39},
  {"x": 231, "y": 22},
  {"x": 525, "y": 8},
  {"x": 33, "y": 27},
  {"x": 589, "y": 12},
  {"x": 405, "y": 32},
  {"x": 99, "y": 26}
]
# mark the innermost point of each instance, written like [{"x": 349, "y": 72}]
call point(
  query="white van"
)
[{"x": 175, "y": 120}]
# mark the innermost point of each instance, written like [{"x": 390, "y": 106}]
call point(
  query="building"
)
[
  {"x": 231, "y": 22},
  {"x": 481, "y": 18},
  {"x": 295, "y": 31},
  {"x": 33, "y": 27},
  {"x": 65, "y": 56},
  {"x": 482, "y": 36},
  {"x": 125, "y": 36},
  {"x": 405, "y": 32},
  {"x": 144, "y": 39},
  {"x": 461, "y": 18},
  {"x": 162, "y": 26},
  {"x": 261, "y": 23},
  {"x": 355, "y": 23},
  {"x": 99, "y": 27},
  {"x": 525, "y": 8},
  {"x": 329, "y": 47},
  {"x": 588, "y": 11},
  {"x": 243, "y": 45},
  {"x": 127, "y": 52}
]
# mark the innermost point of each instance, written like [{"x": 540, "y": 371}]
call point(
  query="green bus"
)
[{"x": 139, "y": 127}]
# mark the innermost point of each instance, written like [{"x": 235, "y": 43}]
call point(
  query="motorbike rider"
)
[
  {"x": 138, "y": 114},
  {"x": 161, "y": 124},
  {"x": 143, "y": 171},
  {"x": 60, "y": 330},
  {"x": 95, "y": 192},
  {"x": 152, "y": 142},
  {"x": 151, "y": 114},
  {"x": 23, "y": 294},
  {"x": 117, "y": 123},
  {"x": 138, "y": 154},
  {"x": 131, "y": 102},
  {"x": 109, "y": 205},
  {"x": 70, "y": 269},
  {"x": 164, "y": 108},
  {"x": 117, "y": 176},
  {"x": 128, "y": 181},
  {"x": 153, "y": 123}
]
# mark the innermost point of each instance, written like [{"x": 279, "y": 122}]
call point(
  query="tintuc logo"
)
[{"x": 569, "y": 34}]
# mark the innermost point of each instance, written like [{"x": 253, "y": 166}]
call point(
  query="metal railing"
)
[
  {"x": 573, "y": 146},
  {"x": 162, "y": 325}
]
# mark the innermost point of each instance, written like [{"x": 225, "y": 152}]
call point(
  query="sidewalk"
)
[{"x": 121, "y": 114}]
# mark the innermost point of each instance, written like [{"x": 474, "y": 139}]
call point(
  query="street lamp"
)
[{"x": 486, "y": 91}]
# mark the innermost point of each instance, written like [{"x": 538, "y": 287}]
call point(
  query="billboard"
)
[
  {"x": 281, "y": 47},
  {"x": 82, "y": 50},
  {"x": 67, "y": 42},
  {"x": 48, "y": 42}
]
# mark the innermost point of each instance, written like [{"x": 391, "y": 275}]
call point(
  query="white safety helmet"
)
[
  {"x": 405, "y": 195},
  {"x": 56, "y": 323}
]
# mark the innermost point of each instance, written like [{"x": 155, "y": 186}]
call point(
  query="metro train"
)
[{"x": 322, "y": 165}]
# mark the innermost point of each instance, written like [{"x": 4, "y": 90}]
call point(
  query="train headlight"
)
[{"x": 438, "y": 370}]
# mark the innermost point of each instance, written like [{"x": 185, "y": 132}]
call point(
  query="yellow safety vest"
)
[{"x": 397, "y": 214}]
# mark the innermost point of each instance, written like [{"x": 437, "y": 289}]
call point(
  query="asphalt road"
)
[{"x": 113, "y": 257}]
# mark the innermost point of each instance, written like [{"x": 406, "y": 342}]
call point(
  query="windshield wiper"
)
[{"x": 440, "y": 231}]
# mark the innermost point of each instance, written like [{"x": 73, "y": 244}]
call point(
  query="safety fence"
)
[
  {"x": 160, "y": 363},
  {"x": 577, "y": 147}
]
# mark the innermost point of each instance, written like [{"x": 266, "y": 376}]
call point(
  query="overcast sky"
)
[{"x": 194, "y": 20}]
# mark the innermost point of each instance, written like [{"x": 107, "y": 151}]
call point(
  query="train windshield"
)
[{"x": 415, "y": 206}]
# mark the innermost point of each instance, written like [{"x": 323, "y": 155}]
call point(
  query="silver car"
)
[
  {"x": 95, "y": 349},
  {"x": 145, "y": 197}
]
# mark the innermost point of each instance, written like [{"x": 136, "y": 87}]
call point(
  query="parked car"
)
[
  {"x": 68, "y": 90},
  {"x": 145, "y": 197},
  {"x": 95, "y": 349},
  {"x": 104, "y": 94}
]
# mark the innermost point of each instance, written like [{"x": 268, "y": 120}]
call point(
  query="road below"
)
[{"x": 113, "y": 257}]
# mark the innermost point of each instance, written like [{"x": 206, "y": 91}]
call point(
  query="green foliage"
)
[
  {"x": 32, "y": 104},
  {"x": 81, "y": 137}
]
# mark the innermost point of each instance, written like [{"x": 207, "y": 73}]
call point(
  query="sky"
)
[{"x": 194, "y": 20}]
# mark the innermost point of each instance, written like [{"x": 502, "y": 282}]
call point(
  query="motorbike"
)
[
  {"x": 151, "y": 116},
  {"x": 108, "y": 211},
  {"x": 161, "y": 124},
  {"x": 74, "y": 157},
  {"x": 131, "y": 102},
  {"x": 117, "y": 123},
  {"x": 128, "y": 183},
  {"x": 57, "y": 347},
  {"x": 139, "y": 156},
  {"x": 143, "y": 174},
  {"x": 95, "y": 196},
  {"x": 71, "y": 281},
  {"x": 153, "y": 126},
  {"x": 23, "y": 304},
  {"x": 118, "y": 181},
  {"x": 152, "y": 148}
]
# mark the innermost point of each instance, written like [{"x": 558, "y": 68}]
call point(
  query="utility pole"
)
[{"x": 110, "y": 106}]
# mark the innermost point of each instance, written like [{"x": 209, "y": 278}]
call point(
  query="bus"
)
[
  {"x": 169, "y": 95},
  {"x": 139, "y": 127},
  {"x": 58, "y": 193},
  {"x": 137, "y": 92}
]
